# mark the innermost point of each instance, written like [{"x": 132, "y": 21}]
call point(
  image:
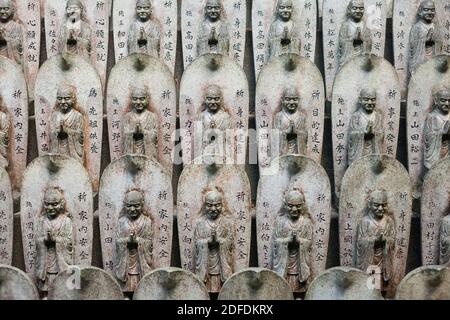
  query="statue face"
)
[
  {"x": 73, "y": 10},
  {"x": 53, "y": 204},
  {"x": 213, "y": 100},
  {"x": 368, "y": 101},
  {"x": 356, "y": 10},
  {"x": 213, "y": 205},
  {"x": 144, "y": 10},
  {"x": 139, "y": 102},
  {"x": 295, "y": 205},
  {"x": 134, "y": 204},
  {"x": 427, "y": 11},
  {"x": 6, "y": 10},
  {"x": 65, "y": 102},
  {"x": 213, "y": 10},
  {"x": 284, "y": 9},
  {"x": 442, "y": 101},
  {"x": 378, "y": 208},
  {"x": 291, "y": 102}
]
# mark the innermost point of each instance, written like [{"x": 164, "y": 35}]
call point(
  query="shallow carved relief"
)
[
  {"x": 428, "y": 119},
  {"x": 89, "y": 283},
  {"x": 214, "y": 222},
  {"x": 147, "y": 27},
  {"x": 290, "y": 100},
  {"x": 343, "y": 283},
  {"x": 56, "y": 217},
  {"x": 6, "y": 219},
  {"x": 136, "y": 210},
  {"x": 141, "y": 107},
  {"x": 419, "y": 35},
  {"x": 78, "y": 27},
  {"x": 293, "y": 214},
  {"x": 16, "y": 285},
  {"x": 256, "y": 284},
  {"x": 375, "y": 219},
  {"x": 69, "y": 111},
  {"x": 365, "y": 112},
  {"x": 214, "y": 112},
  {"x": 351, "y": 28},
  {"x": 425, "y": 283},
  {"x": 213, "y": 26},
  {"x": 283, "y": 26}
]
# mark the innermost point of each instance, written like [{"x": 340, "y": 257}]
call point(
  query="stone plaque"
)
[
  {"x": 171, "y": 284},
  {"x": 6, "y": 219},
  {"x": 131, "y": 130},
  {"x": 227, "y": 189},
  {"x": 283, "y": 26},
  {"x": 256, "y": 284},
  {"x": 136, "y": 218},
  {"x": 294, "y": 181},
  {"x": 85, "y": 283},
  {"x": 351, "y": 28},
  {"x": 79, "y": 27},
  {"x": 425, "y": 283},
  {"x": 426, "y": 147},
  {"x": 56, "y": 217},
  {"x": 69, "y": 111},
  {"x": 214, "y": 112},
  {"x": 213, "y": 26},
  {"x": 146, "y": 26},
  {"x": 13, "y": 122},
  {"x": 419, "y": 35},
  {"x": 374, "y": 214},
  {"x": 435, "y": 215},
  {"x": 290, "y": 111},
  {"x": 16, "y": 285},
  {"x": 343, "y": 283},
  {"x": 365, "y": 112}
]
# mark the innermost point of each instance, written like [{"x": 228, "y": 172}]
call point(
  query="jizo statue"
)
[
  {"x": 375, "y": 238},
  {"x": 213, "y": 238},
  {"x": 444, "y": 238},
  {"x": 140, "y": 126},
  {"x": 76, "y": 33},
  {"x": 214, "y": 34},
  {"x": 284, "y": 34},
  {"x": 144, "y": 35},
  {"x": 54, "y": 239},
  {"x": 437, "y": 129},
  {"x": 291, "y": 122},
  {"x": 424, "y": 38},
  {"x": 5, "y": 125},
  {"x": 354, "y": 35},
  {"x": 11, "y": 33},
  {"x": 292, "y": 241},
  {"x": 366, "y": 129},
  {"x": 134, "y": 242},
  {"x": 67, "y": 125}
]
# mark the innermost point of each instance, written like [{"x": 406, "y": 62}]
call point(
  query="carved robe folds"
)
[
  {"x": 444, "y": 257},
  {"x": 144, "y": 38},
  {"x": 216, "y": 31},
  {"x": 284, "y": 37},
  {"x": 76, "y": 40},
  {"x": 4, "y": 138},
  {"x": 354, "y": 39},
  {"x": 11, "y": 41},
  {"x": 436, "y": 138},
  {"x": 147, "y": 143},
  {"x": 425, "y": 43},
  {"x": 293, "y": 132}
]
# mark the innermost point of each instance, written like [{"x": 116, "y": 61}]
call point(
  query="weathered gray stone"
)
[
  {"x": 16, "y": 285},
  {"x": 6, "y": 219}
]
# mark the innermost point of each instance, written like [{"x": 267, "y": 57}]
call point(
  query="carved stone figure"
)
[
  {"x": 11, "y": 33},
  {"x": 444, "y": 240},
  {"x": 134, "y": 242},
  {"x": 375, "y": 237},
  {"x": 213, "y": 238},
  {"x": 213, "y": 35},
  {"x": 5, "y": 126},
  {"x": 292, "y": 240},
  {"x": 424, "y": 38},
  {"x": 76, "y": 33},
  {"x": 140, "y": 126},
  {"x": 437, "y": 129},
  {"x": 54, "y": 239},
  {"x": 284, "y": 34},
  {"x": 215, "y": 121},
  {"x": 144, "y": 35},
  {"x": 354, "y": 35},
  {"x": 67, "y": 125},
  {"x": 291, "y": 122},
  {"x": 366, "y": 129}
]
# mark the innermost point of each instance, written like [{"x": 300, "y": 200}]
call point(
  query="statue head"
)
[
  {"x": 74, "y": 10},
  {"x": 378, "y": 204},
  {"x": 355, "y": 10},
  {"x": 368, "y": 100},
  {"x": 427, "y": 11},
  {"x": 294, "y": 204},
  {"x": 213, "y": 204},
  {"x": 442, "y": 100},
  {"x": 65, "y": 98},
  {"x": 144, "y": 10},
  {"x": 139, "y": 100},
  {"x": 213, "y": 10},
  {"x": 284, "y": 10},
  {"x": 54, "y": 203},
  {"x": 6, "y": 10},
  {"x": 290, "y": 100},
  {"x": 134, "y": 204},
  {"x": 213, "y": 98}
]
